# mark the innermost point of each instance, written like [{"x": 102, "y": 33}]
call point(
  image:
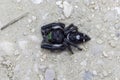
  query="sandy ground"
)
[{"x": 21, "y": 57}]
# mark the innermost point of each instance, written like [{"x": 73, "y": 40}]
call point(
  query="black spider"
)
[{"x": 57, "y": 37}]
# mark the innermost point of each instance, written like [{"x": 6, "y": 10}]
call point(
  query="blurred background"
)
[{"x": 21, "y": 57}]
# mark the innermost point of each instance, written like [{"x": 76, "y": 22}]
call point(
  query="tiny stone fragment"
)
[
  {"x": 67, "y": 9},
  {"x": 33, "y": 38},
  {"x": 94, "y": 72},
  {"x": 18, "y": 1},
  {"x": 29, "y": 20},
  {"x": 37, "y": 1},
  {"x": 83, "y": 63},
  {"x": 7, "y": 46},
  {"x": 87, "y": 75},
  {"x": 99, "y": 41},
  {"x": 1, "y": 24},
  {"x": 117, "y": 9},
  {"x": 33, "y": 30},
  {"x": 116, "y": 38},
  {"x": 34, "y": 18},
  {"x": 59, "y": 3},
  {"x": 45, "y": 16},
  {"x": 87, "y": 2},
  {"x": 36, "y": 68},
  {"x": 112, "y": 44},
  {"x": 16, "y": 53},
  {"x": 105, "y": 73},
  {"x": 116, "y": 78},
  {"x": 22, "y": 44},
  {"x": 104, "y": 54},
  {"x": 50, "y": 74}
]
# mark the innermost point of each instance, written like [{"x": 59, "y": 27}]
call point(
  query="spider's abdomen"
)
[{"x": 56, "y": 36}]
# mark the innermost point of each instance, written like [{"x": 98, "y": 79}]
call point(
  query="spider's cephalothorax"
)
[{"x": 57, "y": 37}]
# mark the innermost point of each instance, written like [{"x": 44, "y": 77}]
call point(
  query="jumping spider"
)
[{"x": 57, "y": 37}]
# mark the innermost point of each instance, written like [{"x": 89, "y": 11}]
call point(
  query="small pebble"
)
[
  {"x": 34, "y": 18},
  {"x": 87, "y": 2},
  {"x": 104, "y": 54},
  {"x": 83, "y": 63},
  {"x": 75, "y": 61},
  {"x": 28, "y": 25},
  {"x": 87, "y": 75},
  {"x": 59, "y": 3},
  {"x": 94, "y": 72},
  {"x": 34, "y": 38},
  {"x": 41, "y": 77},
  {"x": 37, "y": 1},
  {"x": 10, "y": 74},
  {"x": 49, "y": 74},
  {"x": 42, "y": 68},
  {"x": 116, "y": 78},
  {"x": 112, "y": 44},
  {"x": 41, "y": 59},
  {"x": 117, "y": 9},
  {"x": 37, "y": 55},
  {"x": 112, "y": 35},
  {"x": 62, "y": 17},
  {"x": 22, "y": 44},
  {"x": 17, "y": 68},
  {"x": 105, "y": 73},
  {"x": 67, "y": 9},
  {"x": 26, "y": 78},
  {"x": 44, "y": 56},
  {"x": 7, "y": 62},
  {"x": 1, "y": 24},
  {"x": 29, "y": 20},
  {"x": 24, "y": 33},
  {"x": 100, "y": 62},
  {"x": 36, "y": 68},
  {"x": 45, "y": 16},
  {"x": 16, "y": 52},
  {"x": 33, "y": 30},
  {"x": 98, "y": 26},
  {"x": 99, "y": 41},
  {"x": 76, "y": 6},
  {"x": 116, "y": 38},
  {"x": 18, "y": 1},
  {"x": 7, "y": 46}
]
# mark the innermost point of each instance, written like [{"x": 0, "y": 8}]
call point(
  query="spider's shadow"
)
[
  {"x": 52, "y": 51},
  {"x": 56, "y": 52}
]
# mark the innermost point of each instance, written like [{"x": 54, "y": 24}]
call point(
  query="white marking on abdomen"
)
[
  {"x": 57, "y": 45},
  {"x": 56, "y": 27},
  {"x": 78, "y": 37}
]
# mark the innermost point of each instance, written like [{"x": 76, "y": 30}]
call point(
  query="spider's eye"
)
[{"x": 86, "y": 38}]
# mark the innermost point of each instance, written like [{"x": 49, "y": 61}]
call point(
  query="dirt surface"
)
[{"x": 21, "y": 57}]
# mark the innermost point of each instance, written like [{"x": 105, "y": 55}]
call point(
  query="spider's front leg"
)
[
  {"x": 68, "y": 47},
  {"x": 71, "y": 28},
  {"x": 72, "y": 44}
]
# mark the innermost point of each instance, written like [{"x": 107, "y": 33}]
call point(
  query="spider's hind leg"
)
[
  {"x": 68, "y": 47},
  {"x": 52, "y": 47},
  {"x": 47, "y": 28},
  {"x": 72, "y": 44}
]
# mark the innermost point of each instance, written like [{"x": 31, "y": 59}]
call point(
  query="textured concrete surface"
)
[{"x": 21, "y": 57}]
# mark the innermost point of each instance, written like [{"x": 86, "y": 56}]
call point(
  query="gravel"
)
[{"x": 21, "y": 57}]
